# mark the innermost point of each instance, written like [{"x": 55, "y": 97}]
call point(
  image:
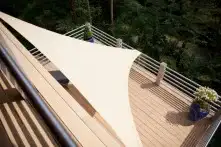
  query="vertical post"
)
[
  {"x": 88, "y": 25},
  {"x": 119, "y": 42},
  {"x": 161, "y": 73}
]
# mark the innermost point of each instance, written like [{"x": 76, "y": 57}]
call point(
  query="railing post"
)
[
  {"x": 161, "y": 73},
  {"x": 88, "y": 25},
  {"x": 119, "y": 43}
]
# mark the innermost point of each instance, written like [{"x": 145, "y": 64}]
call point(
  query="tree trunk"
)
[
  {"x": 72, "y": 3},
  {"x": 89, "y": 11},
  {"x": 112, "y": 11}
]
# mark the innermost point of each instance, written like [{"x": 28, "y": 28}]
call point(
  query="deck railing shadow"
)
[
  {"x": 166, "y": 96},
  {"x": 174, "y": 117},
  {"x": 196, "y": 133},
  {"x": 18, "y": 119},
  {"x": 199, "y": 127}
]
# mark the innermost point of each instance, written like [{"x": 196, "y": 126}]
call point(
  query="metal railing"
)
[
  {"x": 77, "y": 33},
  {"x": 172, "y": 77},
  {"x": 187, "y": 86},
  {"x": 210, "y": 132},
  {"x": 28, "y": 91},
  {"x": 143, "y": 63}
]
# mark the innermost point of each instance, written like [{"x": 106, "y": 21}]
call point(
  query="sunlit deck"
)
[
  {"x": 160, "y": 115},
  {"x": 20, "y": 125},
  {"x": 160, "y": 111}
]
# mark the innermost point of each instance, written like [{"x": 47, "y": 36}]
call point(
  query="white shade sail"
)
[{"x": 99, "y": 72}]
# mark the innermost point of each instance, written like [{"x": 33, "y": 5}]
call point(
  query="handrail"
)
[
  {"x": 171, "y": 76},
  {"x": 183, "y": 77},
  {"x": 103, "y": 39},
  {"x": 76, "y": 33},
  {"x": 93, "y": 27},
  {"x": 55, "y": 126},
  {"x": 146, "y": 67},
  {"x": 208, "y": 135},
  {"x": 185, "y": 82},
  {"x": 74, "y": 30},
  {"x": 114, "y": 41}
]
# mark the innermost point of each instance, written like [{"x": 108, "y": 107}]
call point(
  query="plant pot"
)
[
  {"x": 91, "y": 39},
  {"x": 196, "y": 113}
]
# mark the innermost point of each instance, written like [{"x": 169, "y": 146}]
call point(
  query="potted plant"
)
[
  {"x": 88, "y": 36},
  {"x": 200, "y": 107}
]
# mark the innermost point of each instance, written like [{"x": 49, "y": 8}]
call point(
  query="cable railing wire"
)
[
  {"x": 157, "y": 62},
  {"x": 74, "y": 30},
  {"x": 214, "y": 106},
  {"x": 32, "y": 49},
  {"x": 127, "y": 46},
  {"x": 178, "y": 78},
  {"x": 76, "y": 33},
  {"x": 171, "y": 76},
  {"x": 112, "y": 44},
  {"x": 185, "y": 89},
  {"x": 179, "y": 83},
  {"x": 146, "y": 64},
  {"x": 103, "y": 35},
  {"x": 103, "y": 42},
  {"x": 37, "y": 51},
  {"x": 147, "y": 68},
  {"x": 138, "y": 68},
  {"x": 147, "y": 60},
  {"x": 183, "y": 77}
]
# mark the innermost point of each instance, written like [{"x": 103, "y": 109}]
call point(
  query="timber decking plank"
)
[{"x": 162, "y": 112}]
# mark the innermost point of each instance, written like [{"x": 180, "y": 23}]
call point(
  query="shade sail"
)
[{"x": 99, "y": 72}]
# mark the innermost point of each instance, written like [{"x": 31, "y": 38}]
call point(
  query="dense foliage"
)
[{"x": 184, "y": 33}]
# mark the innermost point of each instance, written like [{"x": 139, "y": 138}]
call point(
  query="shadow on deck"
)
[
  {"x": 20, "y": 125},
  {"x": 161, "y": 117}
]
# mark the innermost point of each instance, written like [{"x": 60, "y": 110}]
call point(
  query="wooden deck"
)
[
  {"x": 160, "y": 112},
  {"x": 161, "y": 115},
  {"x": 85, "y": 130},
  {"x": 20, "y": 125}
]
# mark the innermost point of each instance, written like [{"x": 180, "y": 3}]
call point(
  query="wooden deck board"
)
[
  {"x": 78, "y": 122},
  {"x": 161, "y": 116},
  {"x": 19, "y": 123}
]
